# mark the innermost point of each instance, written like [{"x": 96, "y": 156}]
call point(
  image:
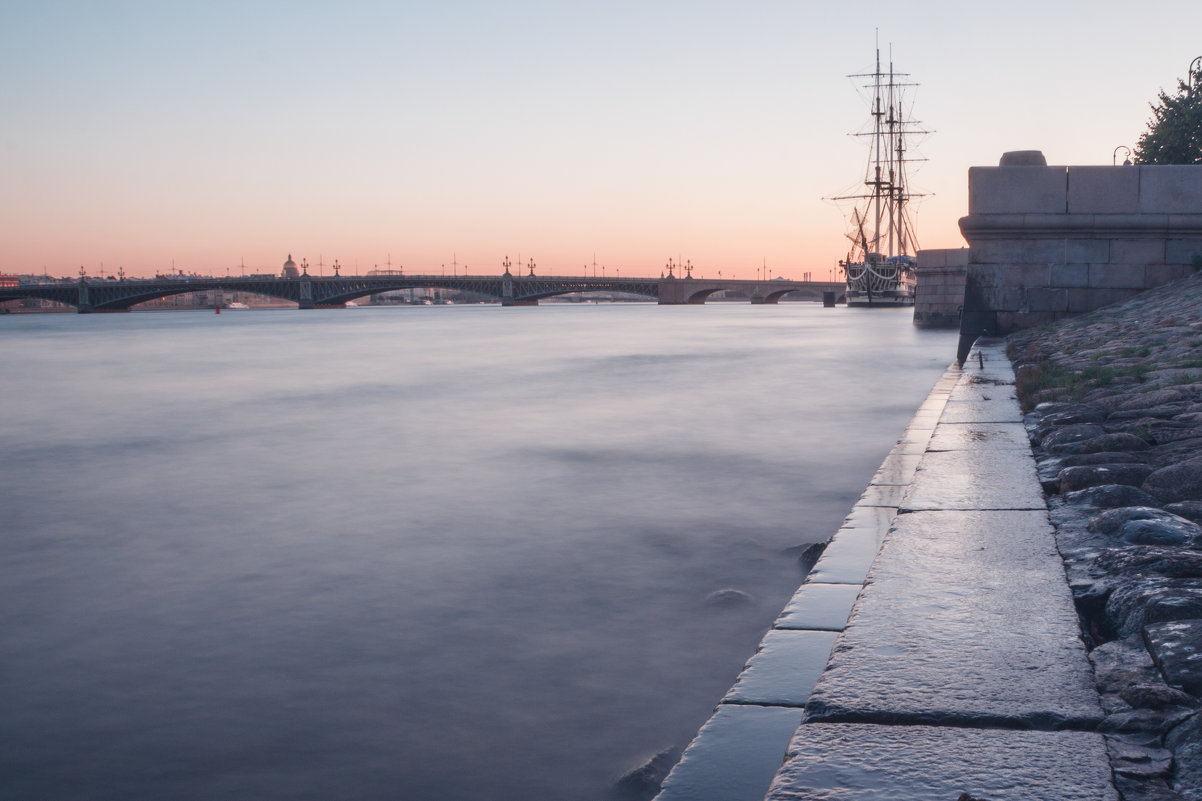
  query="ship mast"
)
[{"x": 885, "y": 180}]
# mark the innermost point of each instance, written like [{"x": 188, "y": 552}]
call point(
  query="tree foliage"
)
[{"x": 1174, "y": 134}]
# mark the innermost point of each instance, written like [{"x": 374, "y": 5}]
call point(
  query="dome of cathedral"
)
[{"x": 289, "y": 270}]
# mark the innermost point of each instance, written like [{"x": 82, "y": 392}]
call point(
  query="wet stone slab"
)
[
  {"x": 979, "y": 479},
  {"x": 843, "y": 762},
  {"x": 897, "y": 469},
  {"x": 734, "y": 756},
  {"x": 965, "y": 620},
  {"x": 784, "y": 670},
  {"x": 1001, "y": 407},
  {"x": 971, "y": 436},
  {"x": 888, "y": 495},
  {"x": 853, "y": 548},
  {"x": 819, "y": 607}
]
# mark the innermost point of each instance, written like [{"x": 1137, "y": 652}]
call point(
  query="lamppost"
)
[
  {"x": 305, "y": 267},
  {"x": 337, "y": 267},
  {"x": 670, "y": 265},
  {"x": 531, "y": 266},
  {"x": 688, "y": 268},
  {"x": 1114, "y": 159},
  {"x": 506, "y": 264}
]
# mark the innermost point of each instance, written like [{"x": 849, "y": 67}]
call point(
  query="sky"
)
[{"x": 437, "y": 136}]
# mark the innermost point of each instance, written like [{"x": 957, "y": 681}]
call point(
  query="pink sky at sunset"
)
[{"x": 140, "y": 133}]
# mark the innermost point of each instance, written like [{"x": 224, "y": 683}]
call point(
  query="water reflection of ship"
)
[{"x": 880, "y": 265}]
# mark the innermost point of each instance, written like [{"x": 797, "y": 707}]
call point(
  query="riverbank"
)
[
  {"x": 1116, "y": 428},
  {"x": 959, "y": 668},
  {"x": 968, "y": 666}
]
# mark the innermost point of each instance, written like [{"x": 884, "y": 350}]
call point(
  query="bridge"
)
[{"x": 321, "y": 292}]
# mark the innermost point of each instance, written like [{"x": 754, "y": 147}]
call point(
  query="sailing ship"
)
[{"x": 881, "y": 263}]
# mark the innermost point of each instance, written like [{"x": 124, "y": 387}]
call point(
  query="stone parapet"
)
[{"x": 1052, "y": 242}]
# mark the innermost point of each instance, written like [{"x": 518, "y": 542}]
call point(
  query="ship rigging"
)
[{"x": 880, "y": 265}]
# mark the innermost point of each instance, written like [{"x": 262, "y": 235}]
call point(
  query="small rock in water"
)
[
  {"x": 641, "y": 783},
  {"x": 730, "y": 596},
  {"x": 810, "y": 556}
]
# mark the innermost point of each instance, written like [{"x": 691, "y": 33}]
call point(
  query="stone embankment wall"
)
[
  {"x": 1117, "y": 434},
  {"x": 1052, "y": 242},
  {"x": 939, "y": 293}
]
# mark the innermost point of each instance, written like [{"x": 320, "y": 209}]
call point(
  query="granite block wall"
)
[
  {"x": 1050, "y": 242},
  {"x": 939, "y": 291}
]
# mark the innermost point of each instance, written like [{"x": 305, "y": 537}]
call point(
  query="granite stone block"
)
[
  {"x": 784, "y": 670},
  {"x": 1083, "y": 300},
  {"x": 966, "y": 619},
  {"x": 1116, "y": 276},
  {"x": 1182, "y": 251},
  {"x": 840, "y": 762},
  {"x": 1169, "y": 189},
  {"x": 1157, "y": 274},
  {"x": 1103, "y": 190},
  {"x": 897, "y": 469},
  {"x": 972, "y": 436},
  {"x": 734, "y": 756},
  {"x": 819, "y": 607},
  {"x": 995, "y": 479},
  {"x": 1016, "y": 251},
  {"x": 1017, "y": 190},
  {"x": 1078, "y": 251},
  {"x": 1042, "y": 299},
  {"x": 1069, "y": 275},
  {"x": 853, "y": 548},
  {"x": 999, "y": 407},
  {"x": 1136, "y": 251},
  {"x": 883, "y": 495}
]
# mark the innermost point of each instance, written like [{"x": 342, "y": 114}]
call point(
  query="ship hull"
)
[{"x": 880, "y": 300}]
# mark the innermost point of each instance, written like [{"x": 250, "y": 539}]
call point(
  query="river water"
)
[{"x": 412, "y": 553}]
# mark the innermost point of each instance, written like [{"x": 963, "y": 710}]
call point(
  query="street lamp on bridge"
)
[
  {"x": 531, "y": 265},
  {"x": 336, "y": 268},
  {"x": 506, "y": 264}
]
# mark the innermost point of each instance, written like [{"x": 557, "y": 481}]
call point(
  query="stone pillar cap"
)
[{"x": 1023, "y": 158}]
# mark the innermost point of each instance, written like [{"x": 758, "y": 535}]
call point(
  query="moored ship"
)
[{"x": 880, "y": 266}]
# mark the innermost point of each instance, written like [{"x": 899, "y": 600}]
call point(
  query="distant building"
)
[{"x": 290, "y": 270}]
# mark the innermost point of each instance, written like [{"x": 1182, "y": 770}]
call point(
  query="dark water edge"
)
[{"x": 412, "y": 553}]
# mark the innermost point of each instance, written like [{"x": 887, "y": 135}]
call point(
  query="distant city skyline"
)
[{"x": 142, "y": 134}]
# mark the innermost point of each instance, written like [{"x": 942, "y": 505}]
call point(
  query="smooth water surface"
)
[{"x": 412, "y": 553}]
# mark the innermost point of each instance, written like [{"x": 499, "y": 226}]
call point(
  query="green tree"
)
[{"x": 1174, "y": 134}]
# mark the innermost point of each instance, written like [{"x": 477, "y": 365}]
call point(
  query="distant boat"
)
[
  {"x": 880, "y": 266},
  {"x": 237, "y": 305}
]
